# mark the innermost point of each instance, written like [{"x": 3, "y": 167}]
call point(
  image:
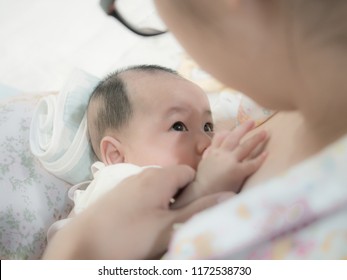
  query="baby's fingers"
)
[
  {"x": 247, "y": 148},
  {"x": 218, "y": 138},
  {"x": 232, "y": 140},
  {"x": 252, "y": 165}
]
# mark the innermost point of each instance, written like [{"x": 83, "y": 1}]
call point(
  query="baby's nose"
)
[{"x": 204, "y": 141}]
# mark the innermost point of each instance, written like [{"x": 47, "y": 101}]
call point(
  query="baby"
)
[{"x": 149, "y": 116}]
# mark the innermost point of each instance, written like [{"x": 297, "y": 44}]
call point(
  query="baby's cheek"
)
[
  {"x": 163, "y": 159},
  {"x": 175, "y": 159},
  {"x": 192, "y": 161}
]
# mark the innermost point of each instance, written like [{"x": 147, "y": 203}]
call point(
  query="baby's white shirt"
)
[{"x": 106, "y": 177}]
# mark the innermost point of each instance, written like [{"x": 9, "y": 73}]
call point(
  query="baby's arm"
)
[{"x": 226, "y": 164}]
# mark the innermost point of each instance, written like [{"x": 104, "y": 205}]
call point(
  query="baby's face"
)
[{"x": 172, "y": 122}]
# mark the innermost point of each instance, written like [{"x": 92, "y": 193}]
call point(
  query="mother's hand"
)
[{"x": 133, "y": 221}]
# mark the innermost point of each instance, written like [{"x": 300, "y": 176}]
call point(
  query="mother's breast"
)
[{"x": 290, "y": 142}]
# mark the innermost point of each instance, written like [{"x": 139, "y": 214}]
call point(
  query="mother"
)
[{"x": 289, "y": 56}]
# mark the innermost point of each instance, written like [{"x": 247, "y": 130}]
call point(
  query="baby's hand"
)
[{"x": 227, "y": 163}]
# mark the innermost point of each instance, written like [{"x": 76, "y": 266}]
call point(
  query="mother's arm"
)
[{"x": 133, "y": 221}]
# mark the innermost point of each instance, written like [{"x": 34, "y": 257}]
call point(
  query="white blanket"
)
[{"x": 58, "y": 132}]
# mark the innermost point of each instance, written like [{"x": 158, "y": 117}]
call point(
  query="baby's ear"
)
[{"x": 111, "y": 151}]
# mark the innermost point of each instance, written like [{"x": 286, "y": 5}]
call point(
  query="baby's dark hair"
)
[{"x": 109, "y": 106}]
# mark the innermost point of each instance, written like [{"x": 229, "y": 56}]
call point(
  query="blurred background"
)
[{"x": 42, "y": 41}]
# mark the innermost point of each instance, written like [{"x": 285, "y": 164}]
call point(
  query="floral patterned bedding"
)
[{"x": 31, "y": 199}]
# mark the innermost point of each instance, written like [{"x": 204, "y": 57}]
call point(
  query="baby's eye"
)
[
  {"x": 208, "y": 127},
  {"x": 179, "y": 126}
]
